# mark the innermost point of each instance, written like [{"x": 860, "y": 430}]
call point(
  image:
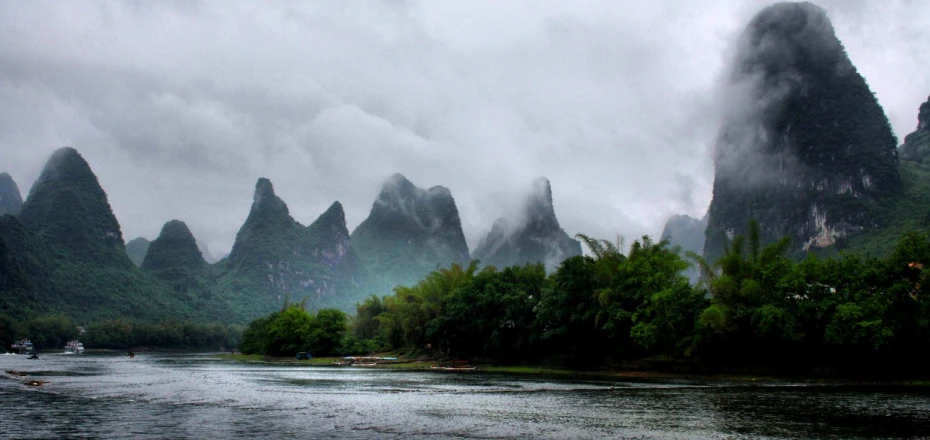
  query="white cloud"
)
[{"x": 180, "y": 106}]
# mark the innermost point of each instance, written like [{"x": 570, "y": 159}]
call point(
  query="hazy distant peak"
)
[
  {"x": 335, "y": 215},
  {"x": 916, "y": 145},
  {"x": 175, "y": 228},
  {"x": 66, "y": 166},
  {"x": 175, "y": 248},
  {"x": 539, "y": 208},
  {"x": 6, "y": 177},
  {"x": 264, "y": 198},
  {"x": 263, "y": 189},
  {"x": 439, "y": 191},
  {"x": 923, "y": 116},
  {"x": 398, "y": 184},
  {"x": 534, "y": 236},
  {"x": 542, "y": 189},
  {"x": 136, "y": 250},
  {"x": 785, "y": 41},
  {"x": 10, "y": 199}
]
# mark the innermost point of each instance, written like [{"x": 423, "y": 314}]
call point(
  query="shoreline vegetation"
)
[
  {"x": 757, "y": 311},
  {"x": 633, "y": 375}
]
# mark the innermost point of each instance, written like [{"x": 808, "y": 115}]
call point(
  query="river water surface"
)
[{"x": 108, "y": 395}]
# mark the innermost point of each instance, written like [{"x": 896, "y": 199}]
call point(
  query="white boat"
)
[
  {"x": 23, "y": 347},
  {"x": 74, "y": 347}
]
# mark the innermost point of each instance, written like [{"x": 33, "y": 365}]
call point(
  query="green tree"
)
[
  {"x": 287, "y": 332},
  {"x": 327, "y": 330}
]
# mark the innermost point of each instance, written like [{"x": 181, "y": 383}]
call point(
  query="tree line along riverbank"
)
[{"x": 755, "y": 311}]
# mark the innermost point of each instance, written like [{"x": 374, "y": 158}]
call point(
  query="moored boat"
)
[
  {"x": 74, "y": 347},
  {"x": 23, "y": 346}
]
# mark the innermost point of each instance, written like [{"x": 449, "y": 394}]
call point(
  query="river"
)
[{"x": 155, "y": 395}]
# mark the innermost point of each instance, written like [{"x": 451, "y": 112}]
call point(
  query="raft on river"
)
[{"x": 366, "y": 361}]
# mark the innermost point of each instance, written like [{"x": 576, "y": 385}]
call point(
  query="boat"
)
[
  {"x": 74, "y": 347},
  {"x": 23, "y": 346},
  {"x": 366, "y": 361},
  {"x": 454, "y": 366}
]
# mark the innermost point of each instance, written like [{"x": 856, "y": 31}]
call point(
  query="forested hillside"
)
[{"x": 810, "y": 151}]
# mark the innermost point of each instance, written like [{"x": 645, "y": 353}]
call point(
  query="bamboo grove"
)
[{"x": 755, "y": 308}]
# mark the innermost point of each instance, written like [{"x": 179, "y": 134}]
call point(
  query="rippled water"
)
[{"x": 108, "y": 395}]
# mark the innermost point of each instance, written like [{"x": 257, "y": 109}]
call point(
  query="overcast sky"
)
[{"x": 180, "y": 106}]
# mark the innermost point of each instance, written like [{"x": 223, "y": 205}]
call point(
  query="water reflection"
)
[{"x": 170, "y": 396}]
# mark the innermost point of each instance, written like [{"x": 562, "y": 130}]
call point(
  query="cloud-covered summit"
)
[{"x": 181, "y": 106}]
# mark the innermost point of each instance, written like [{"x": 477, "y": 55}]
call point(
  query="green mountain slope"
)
[
  {"x": 67, "y": 207},
  {"x": 808, "y": 153},
  {"x": 408, "y": 233},
  {"x": 905, "y": 212},
  {"x": 11, "y": 201},
  {"x": 175, "y": 249},
  {"x": 275, "y": 257},
  {"x": 68, "y": 245}
]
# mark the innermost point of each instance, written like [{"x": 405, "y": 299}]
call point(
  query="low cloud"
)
[{"x": 180, "y": 106}]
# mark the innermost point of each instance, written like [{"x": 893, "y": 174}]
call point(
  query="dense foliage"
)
[
  {"x": 755, "y": 308},
  {"x": 53, "y": 331},
  {"x": 47, "y": 331},
  {"x": 292, "y": 329},
  {"x": 125, "y": 334}
]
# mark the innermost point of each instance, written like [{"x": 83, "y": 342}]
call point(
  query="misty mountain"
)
[
  {"x": 917, "y": 144},
  {"x": 175, "y": 249},
  {"x": 10, "y": 199},
  {"x": 67, "y": 207},
  {"x": 533, "y": 237},
  {"x": 174, "y": 258},
  {"x": 275, "y": 256},
  {"x": 136, "y": 249},
  {"x": 408, "y": 233},
  {"x": 67, "y": 244},
  {"x": 807, "y": 149},
  {"x": 205, "y": 251},
  {"x": 688, "y": 233}
]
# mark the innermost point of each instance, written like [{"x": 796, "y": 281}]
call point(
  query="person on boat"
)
[{"x": 131, "y": 354}]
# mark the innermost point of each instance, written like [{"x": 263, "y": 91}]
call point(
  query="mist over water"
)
[{"x": 198, "y": 396}]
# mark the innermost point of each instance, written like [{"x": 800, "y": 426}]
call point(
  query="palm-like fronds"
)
[{"x": 602, "y": 248}]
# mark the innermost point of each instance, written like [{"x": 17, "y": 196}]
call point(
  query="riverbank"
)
[{"x": 600, "y": 374}]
